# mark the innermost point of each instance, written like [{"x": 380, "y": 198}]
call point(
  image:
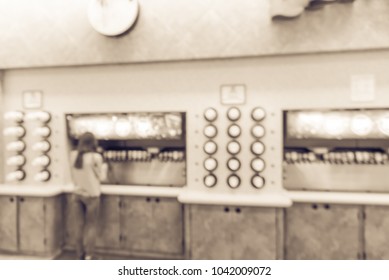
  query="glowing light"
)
[
  {"x": 102, "y": 128},
  {"x": 335, "y": 125},
  {"x": 309, "y": 122},
  {"x": 361, "y": 125},
  {"x": 383, "y": 124},
  {"x": 143, "y": 127},
  {"x": 123, "y": 127}
]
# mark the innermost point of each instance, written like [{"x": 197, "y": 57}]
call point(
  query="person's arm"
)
[
  {"x": 99, "y": 167},
  {"x": 72, "y": 157}
]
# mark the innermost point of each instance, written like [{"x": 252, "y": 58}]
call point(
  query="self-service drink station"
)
[
  {"x": 206, "y": 166},
  {"x": 336, "y": 150},
  {"x": 144, "y": 149},
  {"x": 323, "y": 149}
]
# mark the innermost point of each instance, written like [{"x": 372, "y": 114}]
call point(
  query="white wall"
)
[{"x": 43, "y": 33}]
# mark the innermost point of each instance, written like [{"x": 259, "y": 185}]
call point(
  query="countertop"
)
[{"x": 188, "y": 196}]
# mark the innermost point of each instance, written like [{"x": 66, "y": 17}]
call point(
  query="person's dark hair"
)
[{"x": 86, "y": 144}]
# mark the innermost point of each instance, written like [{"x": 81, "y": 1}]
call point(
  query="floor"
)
[
  {"x": 71, "y": 255},
  {"x": 65, "y": 255}
]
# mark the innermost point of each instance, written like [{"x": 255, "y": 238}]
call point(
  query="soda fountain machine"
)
[
  {"x": 141, "y": 148},
  {"x": 336, "y": 150}
]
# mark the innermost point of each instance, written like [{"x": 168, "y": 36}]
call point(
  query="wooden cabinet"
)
[
  {"x": 136, "y": 225},
  {"x": 8, "y": 224},
  {"x": 109, "y": 225},
  {"x": 32, "y": 213},
  {"x": 69, "y": 216},
  {"x": 323, "y": 231},
  {"x": 108, "y": 235},
  {"x": 376, "y": 232},
  {"x": 225, "y": 232},
  {"x": 31, "y": 225},
  {"x": 152, "y": 224}
]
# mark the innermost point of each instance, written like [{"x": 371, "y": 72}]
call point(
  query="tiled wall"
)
[{"x": 56, "y": 32}]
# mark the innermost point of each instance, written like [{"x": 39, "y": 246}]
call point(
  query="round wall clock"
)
[{"x": 112, "y": 17}]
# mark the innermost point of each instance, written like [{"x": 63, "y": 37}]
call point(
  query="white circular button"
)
[
  {"x": 40, "y": 116},
  {"x": 210, "y": 131},
  {"x": 17, "y": 175},
  {"x": 15, "y": 116},
  {"x": 233, "y": 181},
  {"x": 43, "y": 131},
  {"x": 233, "y": 114},
  {"x": 210, "y": 180},
  {"x": 42, "y": 176},
  {"x": 257, "y": 181},
  {"x": 15, "y": 131},
  {"x": 42, "y": 161},
  {"x": 258, "y": 131},
  {"x": 210, "y": 114},
  {"x": 257, "y": 148},
  {"x": 16, "y": 146},
  {"x": 233, "y": 147},
  {"x": 41, "y": 146},
  {"x": 210, "y": 164},
  {"x": 210, "y": 147},
  {"x": 17, "y": 160},
  {"x": 258, "y": 164},
  {"x": 234, "y": 130},
  {"x": 233, "y": 164},
  {"x": 258, "y": 114}
]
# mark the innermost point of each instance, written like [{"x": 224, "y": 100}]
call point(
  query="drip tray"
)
[{"x": 336, "y": 177}]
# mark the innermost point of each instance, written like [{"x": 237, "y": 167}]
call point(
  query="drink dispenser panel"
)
[
  {"x": 147, "y": 148},
  {"x": 337, "y": 150}
]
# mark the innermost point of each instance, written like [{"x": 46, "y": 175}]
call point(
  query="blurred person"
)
[{"x": 87, "y": 170}]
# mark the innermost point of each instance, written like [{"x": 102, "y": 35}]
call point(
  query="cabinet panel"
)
[
  {"x": 54, "y": 226},
  {"x": 137, "y": 223},
  {"x": 69, "y": 220},
  {"x": 323, "y": 232},
  {"x": 377, "y": 232},
  {"x": 254, "y": 233},
  {"x": 8, "y": 223},
  {"x": 31, "y": 224},
  {"x": 109, "y": 224},
  {"x": 210, "y": 232},
  {"x": 167, "y": 229}
]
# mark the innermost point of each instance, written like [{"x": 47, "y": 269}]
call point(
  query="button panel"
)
[
  {"x": 243, "y": 137},
  {"x": 210, "y": 147},
  {"x": 14, "y": 133},
  {"x": 257, "y": 148}
]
